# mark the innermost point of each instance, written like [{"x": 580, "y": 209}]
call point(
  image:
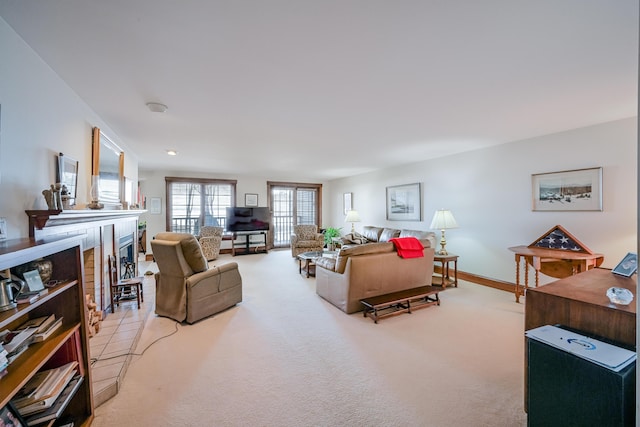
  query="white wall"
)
[
  {"x": 40, "y": 116},
  {"x": 489, "y": 192}
]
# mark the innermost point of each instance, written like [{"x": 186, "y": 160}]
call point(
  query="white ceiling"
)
[{"x": 311, "y": 89}]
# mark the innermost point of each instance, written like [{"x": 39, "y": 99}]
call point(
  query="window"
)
[{"x": 193, "y": 202}]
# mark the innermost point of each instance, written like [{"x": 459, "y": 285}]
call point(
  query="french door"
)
[{"x": 292, "y": 204}]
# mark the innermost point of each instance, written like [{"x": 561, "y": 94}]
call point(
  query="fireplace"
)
[
  {"x": 106, "y": 232},
  {"x": 126, "y": 254}
]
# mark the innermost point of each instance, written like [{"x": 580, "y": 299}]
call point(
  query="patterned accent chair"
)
[
  {"x": 210, "y": 239},
  {"x": 305, "y": 238}
]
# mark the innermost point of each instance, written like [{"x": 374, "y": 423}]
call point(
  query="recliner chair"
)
[
  {"x": 305, "y": 238},
  {"x": 187, "y": 289}
]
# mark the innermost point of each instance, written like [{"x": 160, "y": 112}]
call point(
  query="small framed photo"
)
[
  {"x": 155, "y": 206},
  {"x": 3, "y": 229},
  {"x": 11, "y": 417},
  {"x": 346, "y": 202},
  {"x": 627, "y": 266},
  {"x": 250, "y": 199}
]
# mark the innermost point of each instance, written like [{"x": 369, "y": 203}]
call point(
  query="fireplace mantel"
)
[
  {"x": 39, "y": 219},
  {"x": 103, "y": 232}
]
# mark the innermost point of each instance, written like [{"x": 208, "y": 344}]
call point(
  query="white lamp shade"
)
[
  {"x": 442, "y": 220},
  {"x": 352, "y": 216}
]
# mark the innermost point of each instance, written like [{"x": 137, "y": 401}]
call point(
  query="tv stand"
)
[{"x": 248, "y": 245}]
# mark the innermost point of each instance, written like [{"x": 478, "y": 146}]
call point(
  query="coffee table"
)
[
  {"x": 309, "y": 265},
  {"x": 309, "y": 261}
]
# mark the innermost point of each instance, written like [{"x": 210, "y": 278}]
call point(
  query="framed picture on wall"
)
[
  {"x": 250, "y": 199},
  {"x": 155, "y": 206},
  {"x": 346, "y": 202},
  {"x": 404, "y": 202},
  {"x": 573, "y": 190}
]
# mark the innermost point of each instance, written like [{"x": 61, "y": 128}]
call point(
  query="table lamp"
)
[
  {"x": 352, "y": 217},
  {"x": 442, "y": 220}
]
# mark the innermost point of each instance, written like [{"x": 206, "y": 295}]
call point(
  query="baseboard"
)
[{"x": 486, "y": 281}]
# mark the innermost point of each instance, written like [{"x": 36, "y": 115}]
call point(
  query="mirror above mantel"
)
[{"x": 107, "y": 169}]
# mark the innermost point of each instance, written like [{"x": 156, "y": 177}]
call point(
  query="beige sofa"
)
[{"x": 371, "y": 269}]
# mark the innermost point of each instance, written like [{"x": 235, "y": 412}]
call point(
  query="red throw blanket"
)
[{"x": 408, "y": 247}]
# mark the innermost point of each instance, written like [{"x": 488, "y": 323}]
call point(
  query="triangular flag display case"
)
[
  {"x": 560, "y": 239},
  {"x": 557, "y": 253}
]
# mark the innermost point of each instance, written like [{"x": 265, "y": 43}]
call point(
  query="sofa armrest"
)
[
  {"x": 220, "y": 277},
  {"x": 320, "y": 237}
]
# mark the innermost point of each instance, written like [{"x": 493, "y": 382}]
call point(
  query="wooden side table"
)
[{"x": 446, "y": 278}]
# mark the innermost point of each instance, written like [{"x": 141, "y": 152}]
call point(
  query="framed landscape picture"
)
[
  {"x": 573, "y": 190},
  {"x": 404, "y": 202}
]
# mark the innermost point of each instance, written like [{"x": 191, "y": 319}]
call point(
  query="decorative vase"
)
[{"x": 44, "y": 267}]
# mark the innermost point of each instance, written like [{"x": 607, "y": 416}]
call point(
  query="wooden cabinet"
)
[
  {"x": 66, "y": 300},
  {"x": 580, "y": 302}
]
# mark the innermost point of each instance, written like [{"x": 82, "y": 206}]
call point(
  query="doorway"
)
[{"x": 292, "y": 204}]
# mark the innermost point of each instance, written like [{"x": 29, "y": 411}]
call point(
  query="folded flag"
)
[{"x": 408, "y": 247}]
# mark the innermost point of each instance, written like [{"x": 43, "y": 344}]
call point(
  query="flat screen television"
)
[{"x": 247, "y": 219}]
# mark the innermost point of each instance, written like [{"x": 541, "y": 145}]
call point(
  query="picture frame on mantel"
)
[
  {"x": 250, "y": 200},
  {"x": 67, "y": 174},
  {"x": 404, "y": 202},
  {"x": 571, "y": 190}
]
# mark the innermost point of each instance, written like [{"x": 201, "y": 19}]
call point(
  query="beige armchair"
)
[
  {"x": 210, "y": 239},
  {"x": 305, "y": 238},
  {"x": 187, "y": 289}
]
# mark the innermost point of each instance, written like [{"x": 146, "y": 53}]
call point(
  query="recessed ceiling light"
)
[
  {"x": 156, "y": 107},
  {"x": 172, "y": 152}
]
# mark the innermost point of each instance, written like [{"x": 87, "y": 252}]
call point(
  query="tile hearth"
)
[{"x": 111, "y": 347}]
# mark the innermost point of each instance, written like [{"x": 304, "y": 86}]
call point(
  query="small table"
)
[
  {"x": 309, "y": 265},
  {"x": 309, "y": 261},
  {"x": 444, "y": 260}
]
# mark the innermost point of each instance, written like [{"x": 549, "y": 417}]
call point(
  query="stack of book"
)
[
  {"x": 4, "y": 362},
  {"x": 33, "y": 330},
  {"x": 47, "y": 393},
  {"x": 44, "y": 326}
]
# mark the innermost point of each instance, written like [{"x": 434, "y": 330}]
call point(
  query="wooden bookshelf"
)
[{"x": 65, "y": 300}]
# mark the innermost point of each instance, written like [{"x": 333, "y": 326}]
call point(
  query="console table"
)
[
  {"x": 556, "y": 253},
  {"x": 245, "y": 243}
]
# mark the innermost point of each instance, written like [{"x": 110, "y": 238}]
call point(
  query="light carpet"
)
[{"x": 286, "y": 357}]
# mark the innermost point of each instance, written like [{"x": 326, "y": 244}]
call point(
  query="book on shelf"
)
[
  {"x": 60, "y": 404},
  {"x": 13, "y": 340},
  {"x": 42, "y": 390},
  {"x": 41, "y": 323},
  {"x": 43, "y": 335},
  {"x": 27, "y": 297}
]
